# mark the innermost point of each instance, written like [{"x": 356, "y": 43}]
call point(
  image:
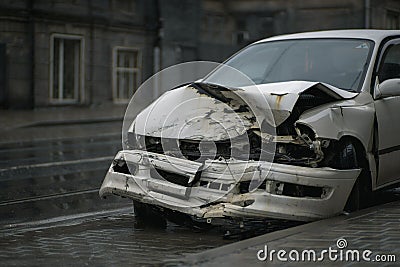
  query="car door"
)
[{"x": 388, "y": 116}]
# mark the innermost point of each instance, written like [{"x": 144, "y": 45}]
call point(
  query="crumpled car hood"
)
[{"x": 211, "y": 112}]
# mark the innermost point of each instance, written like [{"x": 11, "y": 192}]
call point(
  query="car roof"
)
[{"x": 375, "y": 35}]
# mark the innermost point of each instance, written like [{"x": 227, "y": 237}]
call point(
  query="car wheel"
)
[
  {"x": 359, "y": 197},
  {"x": 347, "y": 159},
  {"x": 354, "y": 201},
  {"x": 146, "y": 215},
  {"x": 347, "y": 156}
]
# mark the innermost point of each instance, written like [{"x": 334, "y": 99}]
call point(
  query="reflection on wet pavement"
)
[
  {"x": 103, "y": 240},
  {"x": 48, "y": 178},
  {"x": 48, "y": 183}
]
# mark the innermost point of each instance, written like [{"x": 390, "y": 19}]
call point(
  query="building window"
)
[
  {"x": 66, "y": 68},
  {"x": 126, "y": 73},
  {"x": 392, "y": 20}
]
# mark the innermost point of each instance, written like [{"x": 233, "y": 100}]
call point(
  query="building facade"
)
[
  {"x": 73, "y": 52},
  {"x": 85, "y": 52}
]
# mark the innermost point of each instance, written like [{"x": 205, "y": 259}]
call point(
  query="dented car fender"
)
[{"x": 353, "y": 117}]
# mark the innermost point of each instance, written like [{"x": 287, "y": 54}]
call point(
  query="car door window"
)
[{"x": 390, "y": 66}]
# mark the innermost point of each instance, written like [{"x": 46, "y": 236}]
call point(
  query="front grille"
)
[
  {"x": 169, "y": 176},
  {"x": 244, "y": 187},
  {"x": 153, "y": 144},
  {"x": 202, "y": 150},
  {"x": 193, "y": 150},
  {"x": 190, "y": 149}
]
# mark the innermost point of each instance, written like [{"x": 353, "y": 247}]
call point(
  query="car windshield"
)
[{"x": 339, "y": 62}]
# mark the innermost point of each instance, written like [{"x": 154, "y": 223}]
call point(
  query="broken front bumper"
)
[{"x": 281, "y": 191}]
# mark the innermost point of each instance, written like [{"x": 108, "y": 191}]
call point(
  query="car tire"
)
[
  {"x": 146, "y": 215},
  {"x": 360, "y": 194},
  {"x": 354, "y": 200},
  {"x": 347, "y": 156}
]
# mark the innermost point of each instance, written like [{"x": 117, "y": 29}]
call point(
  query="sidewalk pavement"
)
[
  {"x": 67, "y": 122},
  {"x": 11, "y": 119},
  {"x": 376, "y": 229}
]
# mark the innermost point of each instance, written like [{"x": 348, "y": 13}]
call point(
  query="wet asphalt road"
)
[
  {"x": 101, "y": 240},
  {"x": 50, "y": 211},
  {"x": 51, "y": 177}
]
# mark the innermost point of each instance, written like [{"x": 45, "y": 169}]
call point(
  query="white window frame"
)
[
  {"x": 116, "y": 69},
  {"x": 79, "y": 82}
]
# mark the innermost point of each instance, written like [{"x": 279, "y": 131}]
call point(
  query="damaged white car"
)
[{"x": 313, "y": 133}]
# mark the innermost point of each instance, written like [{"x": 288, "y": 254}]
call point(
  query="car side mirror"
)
[{"x": 387, "y": 88}]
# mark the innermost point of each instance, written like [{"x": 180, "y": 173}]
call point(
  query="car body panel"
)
[
  {"x": 374, "y": 35},
  {"x": 388, "y": 126},
  {"x": 163, "y": 118},
  {"x": 346, "y": 118},
  {"x": 190, "y": 200}
]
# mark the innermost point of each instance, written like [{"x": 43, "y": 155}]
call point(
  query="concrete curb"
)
[
  {"x": 225, "y": 251},
  {"x": 14, "y": 119},
  {"x": 69, "y": 122}
]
